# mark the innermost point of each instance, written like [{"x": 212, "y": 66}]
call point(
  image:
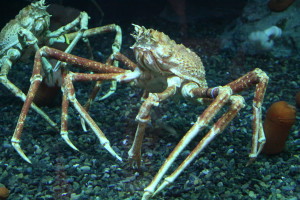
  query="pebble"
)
[{"x": 84, "y": 169}]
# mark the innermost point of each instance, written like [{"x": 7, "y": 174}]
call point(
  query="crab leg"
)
[
  {"x": 260, "y": 79},
  {"x": 83, "y": 17},
  {"x": 143, "y": 117},
  {"x": 256, "y": 78},
  {"x": 109, "y": 73},
  {"x": 202, "y": 122},
  {"x": 94, "y": 93},
  {"x": 116, "y": 46},
  {"x": 115, "y": 49},
  {"x": 55, "y": 36},
  {"x": 70, "y": 94},
  {"x": 237, "y": 102},
  {"x": 35, "y": 80},
  {"x": 64, "y": 116},
  {"x": 18, "y": 93}
]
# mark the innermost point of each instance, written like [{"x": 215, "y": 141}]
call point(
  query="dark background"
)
[{"x": 116, "y": 11}]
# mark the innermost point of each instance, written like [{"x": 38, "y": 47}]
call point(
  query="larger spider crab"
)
[{"x": 165, "y": 68}]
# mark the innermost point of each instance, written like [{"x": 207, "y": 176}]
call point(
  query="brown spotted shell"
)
[
  {"x": 34, "y": 18},
  {"x": 156, "y": 52}
]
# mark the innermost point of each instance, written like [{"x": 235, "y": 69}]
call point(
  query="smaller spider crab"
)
[
  {"x": 165, "y": 68},
  {"x": 30, "y": 29}
]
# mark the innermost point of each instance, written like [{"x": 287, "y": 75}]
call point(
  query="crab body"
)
[
  {"x": 159, "y": 57},
  {"x": 33, "y": 18}
]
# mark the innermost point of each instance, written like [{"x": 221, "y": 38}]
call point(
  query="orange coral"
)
[
  {"x": 279, "y": 5},
  {"x": 279, "y": 119},
  {"x": 4, "y": 193},
  {"x": 298, "y": 99}
]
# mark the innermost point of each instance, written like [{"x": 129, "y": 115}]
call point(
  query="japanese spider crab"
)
[
  {"x": 163, "y": 69},
  {"x": 30, "y": 29}
]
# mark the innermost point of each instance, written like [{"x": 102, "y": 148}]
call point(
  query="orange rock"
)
[
  {"x": 279, "y": 119},
  {"x": 279, "y": 5},
  {"x": 4, "y": 193},
  {"x": 298, "y": 99}
]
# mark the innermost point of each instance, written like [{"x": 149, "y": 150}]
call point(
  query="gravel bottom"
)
[{"x": 219, "y": 172}]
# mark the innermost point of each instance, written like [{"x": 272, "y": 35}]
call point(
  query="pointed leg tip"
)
[
  {"x": 251, "y": 160},
  {"x": 106, "y": 95},
  {"x": 111, "y": 151},
  {"x": 146, "y": 195},
  {"x": 161, "y": 187},
  {"x": 119, "y": 158},
  {"x": 17, "y": 147},
  {"x": 66, "y": 138},
  {"x": 83, "y": 124}
]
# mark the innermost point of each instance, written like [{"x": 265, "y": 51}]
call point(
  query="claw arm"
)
[
  {"x": 143, "y": 117},
  {"x": 82, "y": 19}
]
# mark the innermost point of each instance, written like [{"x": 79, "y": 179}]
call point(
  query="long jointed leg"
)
[
  {"x": 82, "y": 20},
  {"x": 35, "y": 80},
  {"x": 116, "y": 46},
  {"x": 143, "y": 118},
  {"x": 111, "y": 74},
  {"x": 69, "y": 94},
  {"x": 64, "y": 118},
  {"x": 6, "y": 65},
  {"x": 95, "y": 91},
  {"x": 237, "y": 102},
  {"x": 258, "y": 78},
  {"x": 203, "y": 120},
  {"x": 83, "y": 63}
]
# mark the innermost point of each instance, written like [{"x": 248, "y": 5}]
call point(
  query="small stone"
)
[
  {"x": 38, "y": 151},
  {"x": 229, "y": 151},
  {"x": 75, "y": 196},
  {"x": 220, "y": 184},
  {"x": 84, "y": 169},
  {"x": 252, "y": 194},
  {"x": 267, "y": 178}
]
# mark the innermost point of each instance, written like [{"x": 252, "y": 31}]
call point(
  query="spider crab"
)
[
  {"x": 164, "y": 68},
  {"x": 30, "y": 29}
]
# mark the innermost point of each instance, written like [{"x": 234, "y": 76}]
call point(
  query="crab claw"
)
[
  {"x": 64, "y": 135},
  {"x": 16, "y": 144}
]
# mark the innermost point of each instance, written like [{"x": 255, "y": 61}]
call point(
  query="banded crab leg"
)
[
  {"x": 256, "y": 78},
  {"x": 202, "y": 122},
  {"x": 118, "y": 57},
  {"x": 103, "y": 72},
  {"x": 223, "y": 95},
  {"x": 116, "y": 46},
  {"x": 237, "y": 102},
  {"x": 6, "y": 65},
  {"x": 30, "y": 40}
]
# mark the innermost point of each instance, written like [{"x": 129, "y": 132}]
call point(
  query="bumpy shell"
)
[
  {"x": 156, "y": 52},
  {"x": 33, "y": 18}
]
